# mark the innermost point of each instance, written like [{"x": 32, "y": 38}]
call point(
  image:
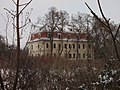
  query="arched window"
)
[
  {"x": 89, "y": 46},
  {"x": 79, "y": 46},
  {"x": 73, "y": 46},
  {"x": 47, "y": 45},
  {"x": 83, "y": 46},
  {"x": 59, "y": 35},
  {"x": 54, "y": 45},
  {"x": 73, "y": 55},
  {"x": 83, "y": 55},
  {"x": 65, "y": 45},
  {"x": 70, "y": 46},
  {"x": 59, "y": 46}
]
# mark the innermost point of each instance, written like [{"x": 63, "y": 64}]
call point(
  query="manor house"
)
[{"x": 65, "y": 44}]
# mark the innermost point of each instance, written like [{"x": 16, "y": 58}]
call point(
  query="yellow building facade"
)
[{"x": 64, "y": 44}]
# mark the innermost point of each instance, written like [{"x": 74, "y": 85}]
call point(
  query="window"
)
[
  {"x": 79, "y": 56},
  {"x": 89, "y": 46},
  {"x": 59, "y": 35},
  {"x": 73, "y": 46},
  {"x": 83, "y": 46},
  {"x": 31, "y": 47},
  {"x": 83, "y": 55},
  {"x": 65, "y": 55},
  {"x": 54, "y": 55},
  {"x": 70, "y": 56},
  {"x": 38, "y": 46},
  {"x": 47, "y": 45},
  {"x": 32, "y": 37},
  {"x": 78, "y": 37},
  {"x": 69, "y": 45},
  {"x": 47, "y": 54},
  {"x": 65, "y": 45},
  {"x": 90, "y": 55},
  {"x": 54, "y": 45},
  {"x": 38, "y": 55},
  {"x": 59, "y": 46},
  {"x": 87, "y": 37},
  {"x": 79, "y": 46},
  {"x": 49, "y": 35},
  {"x": 39, "y": 35},
  {"x": 68, "y": 36},
  {"x": 73, "y": 55}
]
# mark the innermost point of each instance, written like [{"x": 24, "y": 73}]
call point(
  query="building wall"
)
[{"x": 42, "y": 48}]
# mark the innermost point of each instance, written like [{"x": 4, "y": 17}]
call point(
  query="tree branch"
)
[
  {"x": 14, "y": 2},
  {"x": 101, "y": 11},
  {"x": 104, "y": 25},
  {"x": 9, "y": 11},
  {"x": 25, "y": 6},
  {"x": 24, "y": 25},
  {"x": 117, "y": 31}
]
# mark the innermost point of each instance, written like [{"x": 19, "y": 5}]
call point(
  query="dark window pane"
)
[
  {"x": 65, "y": 45},
  {"x": 54, "y": 45},
  {"x": 47, "y": 45},
  {"x": 83, "y": 46},
  {"x": 70, "y": 56},
  {"x": 73, "y": 55},
  {"x": 79, "y": 46},
  {"x": 69, "y": 45},
  {"x": 83, "y": 55},
  {"x": 73, "y": 46}
]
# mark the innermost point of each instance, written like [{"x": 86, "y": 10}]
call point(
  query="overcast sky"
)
[{"x": 40, "y": 7}]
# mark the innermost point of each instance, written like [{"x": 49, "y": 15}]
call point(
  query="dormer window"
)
[
  {"x": 68, "y": 36},
  {"x": 32, "y": 37},
  {"x": 47, "y": 45},
  {"x": 59, "y": 35},
  {"x": 86, "y": 36},
  {"x": 39, "y": 35},
  {"x": 78, "y": 37},
  {"x": 49, "y": 35}
]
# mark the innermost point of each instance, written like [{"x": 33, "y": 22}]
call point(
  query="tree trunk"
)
[{"x": 18, "y": 46}]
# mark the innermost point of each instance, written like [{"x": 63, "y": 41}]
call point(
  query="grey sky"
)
[{"x": 40, "y": 7}]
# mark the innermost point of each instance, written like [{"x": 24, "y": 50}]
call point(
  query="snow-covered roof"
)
[{"x": 57, "y": 39}]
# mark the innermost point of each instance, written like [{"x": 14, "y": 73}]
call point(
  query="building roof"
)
[{"x": 59, "y": 35}]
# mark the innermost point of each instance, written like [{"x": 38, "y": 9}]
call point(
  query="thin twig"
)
[
  {"x": 106, "y": 27},
  {"x": 25, "y": 6},
  {"x": 102, "y": 11},
  {"x": 9, "y": 11},
  {"x": 96, "y": 16},
  {"x": 117, "y": 31},
  {"x": 14, "y": 2},
  {"x": 24, "y": 25}
]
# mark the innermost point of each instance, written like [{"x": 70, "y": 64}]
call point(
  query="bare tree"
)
[
  {"x": 61, "y": 26},
  {"x": 79, "y": 24},
  {"x": 109, "y": 34},
  {"x": 19, "y": 10},
  {"x": 106, "y": 24},
  {"x": 53, "y": 21}
]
